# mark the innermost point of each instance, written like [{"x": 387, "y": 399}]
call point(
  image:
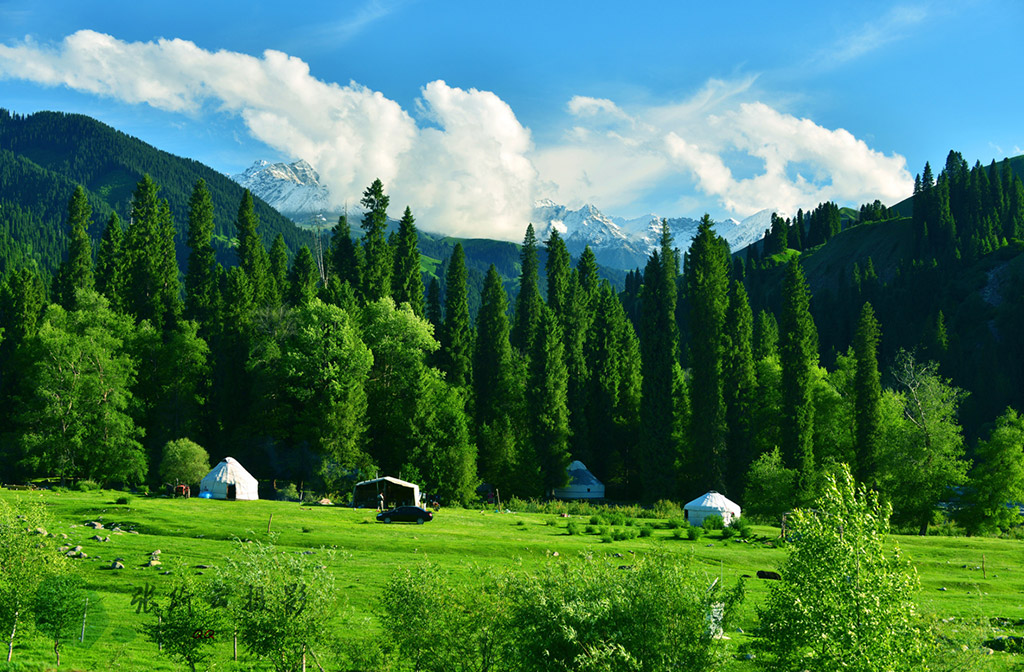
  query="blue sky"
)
[{"x": 471, "y": 111}]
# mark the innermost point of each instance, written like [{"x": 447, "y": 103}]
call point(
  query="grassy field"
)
[{"x": 963, "y": 580}]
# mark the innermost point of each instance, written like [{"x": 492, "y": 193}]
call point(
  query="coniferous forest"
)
[{"x": 888, "y": 339}]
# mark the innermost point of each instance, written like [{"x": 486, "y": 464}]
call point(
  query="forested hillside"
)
[
  {"x": 44, "y": 155},
  {"x": 756, "y": 376}
]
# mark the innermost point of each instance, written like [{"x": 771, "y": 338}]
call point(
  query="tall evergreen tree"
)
[
  {"x": 151, "y": 285},
  {"x": 528, "y": 302},
  {"x": 497, "y": 393},
  {"x": 110, "y": 269},
  {"x": 252, "y": 255},
  {"x": 658, "y": 347},
  {"x": 867, "y": 396},
  {"x": 407, "y": 281},
  {"x": 547, "y": 403},
  {"x": 302, "y": 278},
  {"x": 202, "y": 292},
  {"x": 558, "y": 269},
  {"x": 798, "y": 354},
  {"x": 345, "y": 256},
  {"x": 457, "y": 334},
  {"x": 376, "y": 251},
  {"x": 76, "y": 271},
  {"x": 706, "y": 277},
  {"x": 766, "y": 336},
  {"x": 739, "y": 386}
]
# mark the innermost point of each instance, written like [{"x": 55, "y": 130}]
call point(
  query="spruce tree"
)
[
  {"x": 345, "y": 256},
  {"x": 376, "y": 250},
  {"x": 407, "y": 281},
  {"x": 867, "y": 396},
  {"x": 528, "y": 302},
  {"x": 151, "y": 289},
  {"x": 558, "y": 268},
  {"x": 706, "y": 278},
  {"x": 76, "y": 271},
  {"x": 457, "y": 335},
  {"x": 658, "y": 347},
  {"x": 496, "y": 391},
  {"x": 766, "y": 336},
  {"x": 739, "y": 387},
  {"x": 110, "y": 268},
  {"x": 252, "y": 255},
  {"x": 798, "y": 352},
  {"x": 202, "y": 292},
  {"x": 434, "y": 314},
  {"x": 302, "y": 278},
  {"x": 547, "y": 403}
]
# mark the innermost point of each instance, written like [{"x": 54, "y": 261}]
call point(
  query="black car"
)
[{"x": 405, "y": 514}]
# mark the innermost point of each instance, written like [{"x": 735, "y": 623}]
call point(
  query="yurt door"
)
[{"x": 231, "y": 491}]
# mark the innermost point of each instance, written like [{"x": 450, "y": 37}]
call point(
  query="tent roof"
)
[
  {"x": 580, "y": 475},
  {"x": 229, "y": 471},
  {"x": 389, "y": 479},
  {"x": 713, "y": 501}
]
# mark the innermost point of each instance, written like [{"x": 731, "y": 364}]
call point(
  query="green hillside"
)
[{"x": 44, "y": 155}]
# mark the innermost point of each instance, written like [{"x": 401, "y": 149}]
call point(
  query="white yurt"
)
[
  {"x": 229, "y": 480},
  {"x": 711, "y": 503},
  {"x": 582, "y": 484}
]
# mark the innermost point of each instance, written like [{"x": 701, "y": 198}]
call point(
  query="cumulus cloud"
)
[
  {"x": 802, "y": 163},
  {"x": 461, "y": 159},
  {"x": 473, "y": 165}
]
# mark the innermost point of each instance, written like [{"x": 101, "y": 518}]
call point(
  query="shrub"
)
[
  {"x": 694, "y": 533},
  {"x": 676, "y": 523},
  {"x": 122, "y": 501},
  {"x": 646, "y": 531},
  {"x": 679, "y": 533},
  {"x": 713, "y": 523},
  {"x": 184, "y": 461},
  {"x": 606, "y": 538},
  {"x": 665, "y": 508},
  {"x": 572, "y": 528},
  {"x": 551, "y": 522},
  {"x": 728, "y": 532},
  {"x": 616, "y": 518},
  {"x": 288, "y": 493},
  {"x": 520, "y": 523},
  {"x": 597, "y": 520},
  {"x": 142, "y": 489},
  {"x": 591, "y": 529},
  {"x": 88, "y": 486},
  {"x": 771, "y": 487}
]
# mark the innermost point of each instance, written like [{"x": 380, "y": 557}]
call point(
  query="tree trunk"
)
[
  {"x": 56, "y": 648},
  {"x": 14, "y": 630},
  {"x": 925, "y": 519}
]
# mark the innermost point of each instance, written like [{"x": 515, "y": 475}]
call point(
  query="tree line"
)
[{"x": 340, "y": 364}]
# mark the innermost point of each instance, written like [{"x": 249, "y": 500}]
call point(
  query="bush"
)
[
  {"x": 713, "y": 523},
  {"x": 728, "y": 532},
  {"x": 694, "y": 533},
  {"x": 771, "y": 487},
  {"x": 551, "y": 522},
  {"x": 184, "y": 462},
  {"x": 142, "y": 490},
  {"x": 597, "y": 520},
  {"x": 665, "y": 508},
  {"x": 122, "y": 501},
  {"x": 88, "y": 486},
  {"x": 616, "y": 518},
  {"x": 288, "y": 493},
  {"x": 591, "y": 529},
  {"x": 606, "y": 538},
  {"x": 646, "y": 531},
  {"x": 679, "y": 532},
  {"x": 676, "y": 523},
  {"x": 572, "y": 528}
]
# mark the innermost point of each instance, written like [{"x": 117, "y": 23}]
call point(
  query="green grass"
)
[{"x": 466, "y": 542}]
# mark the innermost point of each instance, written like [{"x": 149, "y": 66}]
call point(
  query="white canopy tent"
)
[
  {"x": 582, "y": 484},
  {"x": 396, "y": 492},
  {"x": 711, "y": 503},
  {"x": 229, "y": 480}
]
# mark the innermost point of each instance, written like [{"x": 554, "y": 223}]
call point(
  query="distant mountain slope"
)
[
  {"x": 293, "y": 189},
  {"x": 44, "y": 155}
]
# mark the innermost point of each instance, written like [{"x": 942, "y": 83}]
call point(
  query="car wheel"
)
[
  {"x": 419, "y": 521},
  {"x": 387, "y": 520}
]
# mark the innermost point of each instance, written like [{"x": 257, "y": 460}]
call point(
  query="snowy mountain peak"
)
[{"x": 293, "y": 189}]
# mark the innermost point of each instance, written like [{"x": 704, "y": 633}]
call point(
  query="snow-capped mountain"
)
[
  {"x": 627, "y": 243},
  {"x": 293, "y": 189}
]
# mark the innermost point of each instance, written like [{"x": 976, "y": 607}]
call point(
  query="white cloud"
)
[{"x": 469, "y": 167}]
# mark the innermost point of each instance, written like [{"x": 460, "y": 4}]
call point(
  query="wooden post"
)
[
  {"x": 235, "y": 645},
  {"x": 84, "y": 612},
  {"x": 269, "y": 522}
]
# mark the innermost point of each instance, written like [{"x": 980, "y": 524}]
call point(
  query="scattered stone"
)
[
  {"x": 943, "y": 589},
  {"x": 116, "y": 565},
  {"x": 625, "y": 566},
  {"x": 165, "y": 573},
  {"x": 555, "y": 554},
  {"x": 985, "y": 651},
  {"x": 202, "y": 567},
  {"x": 83, "y": 555},
  {"x": 94, "y": 525},
  {"x": 64, "y": 536},
  {"x": 40, "y": 530},
  {"x": 153, "y": 563},
  {"x": 156, "y": 552},
  {"x": 97, "y": 537},
  {"x": 307, "y": 552},
  {"x": 747, "y": 656},
  {"x": 132, "y": 532},
  {"x": 616, "y": 555}
]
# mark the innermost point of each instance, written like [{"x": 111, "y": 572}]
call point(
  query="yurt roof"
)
[
  {"x": 229, "y": 470},
  {"x": 713, "y": 501},
  {"x": 389, "y": 479},
  {"x": 580, "y": 475}
]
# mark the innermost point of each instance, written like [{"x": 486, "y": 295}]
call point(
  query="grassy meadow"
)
[{"x": 965, "y": 582}]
